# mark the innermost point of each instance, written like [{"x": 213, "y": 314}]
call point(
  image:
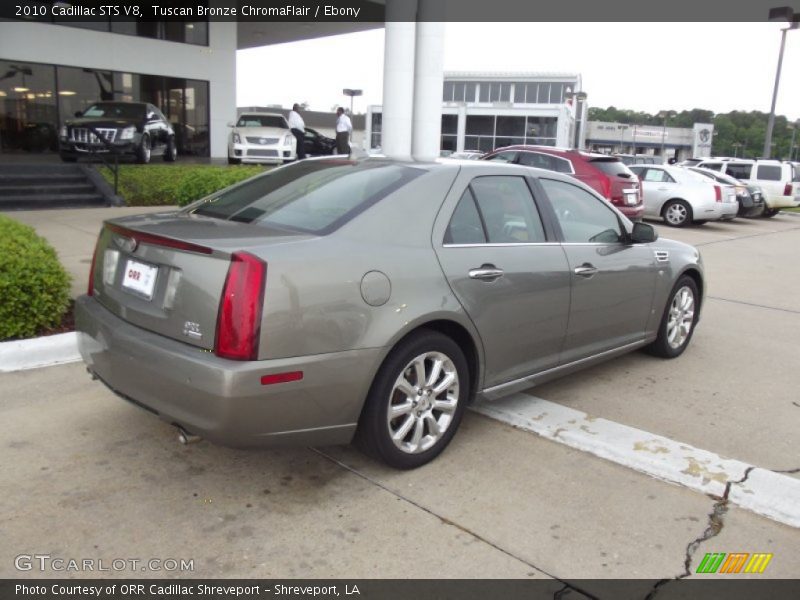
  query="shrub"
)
[
  {"x": 156, "y": 185},
  {"x": 34, "y": 287}
]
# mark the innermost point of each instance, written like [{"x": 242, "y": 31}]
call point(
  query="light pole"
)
[
  {"x": 736, "y": 146},
  {"x": 351, "y": 93},
  {"x": 622, "y": 128},
  {"x": 794, "y": 127},
  {"x": 781, "y": 13},
  {"x": 665, "y": 114}
]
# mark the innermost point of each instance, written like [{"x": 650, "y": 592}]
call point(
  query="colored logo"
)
[{"x": 736, "y": 562}]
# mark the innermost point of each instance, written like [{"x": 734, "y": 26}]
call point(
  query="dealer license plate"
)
[
  {"x": 631, "y": 198},
  {"x": 140, "y": 279}
]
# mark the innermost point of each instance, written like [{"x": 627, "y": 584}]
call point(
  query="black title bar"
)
[{"x": 368, "y": 11}]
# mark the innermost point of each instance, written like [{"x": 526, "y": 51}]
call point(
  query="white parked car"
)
[
  {"x": 681, "y": 197},
  {"x": 780, "y": 180},
  {"x": 261, "y": 137}
]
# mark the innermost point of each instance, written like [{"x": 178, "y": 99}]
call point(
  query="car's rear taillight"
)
[
  {"x": 717, "y": 193},
  {"x": 239, "y": 318},
  {"x": 90, "y": 289},
  {"x": 605, "y": 187},
  {"x": 787, "y": 190}
]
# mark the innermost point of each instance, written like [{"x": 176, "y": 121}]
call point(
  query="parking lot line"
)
[{"x": 764, "y": 492}]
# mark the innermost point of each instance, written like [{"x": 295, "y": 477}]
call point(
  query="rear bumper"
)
[
  {"x": 634, "y": 213},
  {"x": 777, "y": 201},
  {"x": 224, "y": 400}
]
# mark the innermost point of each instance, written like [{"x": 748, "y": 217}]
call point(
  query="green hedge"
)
[
  {"x": 34, "y": 287},
  {"x": 155, "y": 185}
]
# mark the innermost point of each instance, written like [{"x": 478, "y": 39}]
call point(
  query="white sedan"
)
[
  {"x": 260, "y": 137},
  {"x": 681, "y": 197}
]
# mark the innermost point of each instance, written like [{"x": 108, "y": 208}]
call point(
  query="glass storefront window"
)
[
  {"x": 79, "y": 88},
  {"x": 450, "y": 124},
  {"x": 377, "y": 120},
  {"x": 36, "y": 99},
  {"x": 28, "y": 111}
]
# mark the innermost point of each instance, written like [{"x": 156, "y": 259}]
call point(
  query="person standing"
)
[
  {"x": 343, "y": 130},
  {"x": 298, "y": 128}
]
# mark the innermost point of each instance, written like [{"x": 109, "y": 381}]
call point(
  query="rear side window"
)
[
  {"x": 545, "y": 161},
  {"x": 465, "y": 226},
  {"x": 658, "y": 175},
  {"x": 713, "y": 166},
  {"x": 768, "y": 172},
  {"x": 796, "y": 172},
  {"x": 498, "y": 210},
  {"x": 309, "y": 196},
  {"x": 739, "y": 170}
]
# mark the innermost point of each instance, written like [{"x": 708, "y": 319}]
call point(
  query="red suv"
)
[{"x": 605, "y": 174}]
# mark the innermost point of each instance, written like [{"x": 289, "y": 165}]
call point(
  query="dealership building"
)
[
  {"x": 50, "y": 70},
  {"x": 484, "y": 110}
]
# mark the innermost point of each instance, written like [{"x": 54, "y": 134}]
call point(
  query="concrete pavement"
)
[{"x": 88, "y": 475}]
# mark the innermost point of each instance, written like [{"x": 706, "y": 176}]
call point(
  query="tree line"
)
[{"x": 736, "y": 133}]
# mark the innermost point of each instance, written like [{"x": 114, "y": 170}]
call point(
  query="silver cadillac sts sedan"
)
[{"x": 332, "y": 300}]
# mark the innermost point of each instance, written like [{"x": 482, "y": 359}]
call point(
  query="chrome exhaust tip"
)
[{"x": 185, "y": 438}]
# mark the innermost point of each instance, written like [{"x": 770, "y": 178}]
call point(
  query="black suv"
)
[{"x": 129, "y": 128}]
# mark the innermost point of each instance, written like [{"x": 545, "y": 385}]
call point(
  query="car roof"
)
[{"x": 556, "y": 150}]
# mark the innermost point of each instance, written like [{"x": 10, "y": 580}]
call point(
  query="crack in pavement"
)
[
  {"x": 788, "y": 310},
  {"x": 716, "y": 522},
  {"x": 744, "y": 237},
  {"x": 558, "y": 594}
]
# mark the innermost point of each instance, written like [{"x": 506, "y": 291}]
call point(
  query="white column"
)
[
  {"x": 428, "y": 77},
  {"x": 462, "y": 129},
  {"x": 398, "y": 78}
]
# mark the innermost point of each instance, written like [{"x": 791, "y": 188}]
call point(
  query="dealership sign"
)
[{"x": 703, "y": 136}]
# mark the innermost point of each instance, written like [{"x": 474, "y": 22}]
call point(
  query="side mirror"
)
[
  {"x": 643, "y": 233},
  {"x": 229, "y": 124},
  {"x": 78, "y": 113}
]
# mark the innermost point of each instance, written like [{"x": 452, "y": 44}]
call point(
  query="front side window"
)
[{"x": 584, "y": 219}]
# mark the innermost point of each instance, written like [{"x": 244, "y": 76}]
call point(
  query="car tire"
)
[
  {"x": 143, "y": 152},
  {"x": 171, "y": 152},
  {"x": 701, "y": 222},
  {"x": 678, "y": 321},
  {"x": 770, "y": 212},
  {"x": 234, "y": 161},
  {"x": 677, "y": 213},
  {"x": 423, "y": 422}
]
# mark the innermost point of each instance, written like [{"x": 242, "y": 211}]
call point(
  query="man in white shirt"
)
[
  {"x": 343, "y": 129},
  {"x": 298, "y": 128}
]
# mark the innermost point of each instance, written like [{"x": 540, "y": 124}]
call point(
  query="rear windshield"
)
[
  {"x": 611, "y": 167},
  {"x": 310, "y": 196},
  {"x": 114, "y": 110},
  {"x": 262, "y": 121}
]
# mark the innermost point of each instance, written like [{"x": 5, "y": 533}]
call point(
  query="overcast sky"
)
[{"x": 638, "y": 66}]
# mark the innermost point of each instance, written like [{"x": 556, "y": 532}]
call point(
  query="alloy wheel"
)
[
  {"x": 423, "y": 402},
  {"x": 681, "y": 317}
]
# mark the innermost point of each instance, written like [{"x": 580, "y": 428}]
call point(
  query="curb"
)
[
  {"x": 767, "y": 493},
  {"x": 38, "y": 352}
]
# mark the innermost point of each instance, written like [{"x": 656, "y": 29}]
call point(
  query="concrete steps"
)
[{"x": 44, "y": 186}]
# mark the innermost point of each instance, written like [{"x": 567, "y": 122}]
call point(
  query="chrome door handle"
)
[
  {"x": 486, "y": 273},
  {"x": 586, "y": 270},
  {"x": 663, "y": 189}
]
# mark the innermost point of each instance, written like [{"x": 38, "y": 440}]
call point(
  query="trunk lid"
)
[
  {"x": 623, "y": 185},
  {"x": 165, "y": 272}
]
